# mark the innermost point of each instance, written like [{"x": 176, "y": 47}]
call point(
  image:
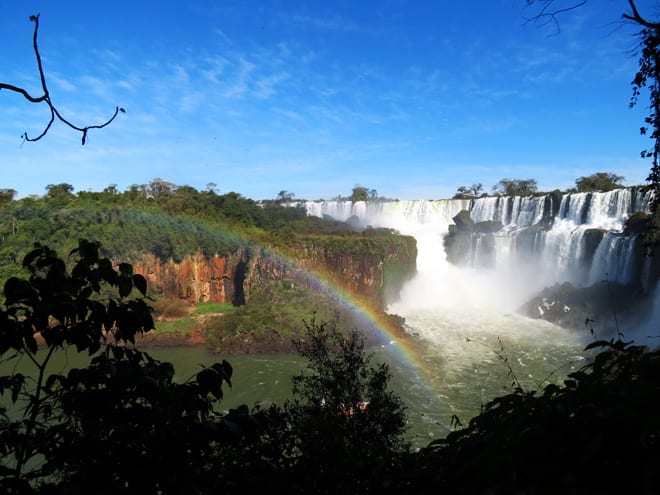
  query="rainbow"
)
[{"x": 398, "y": 344}]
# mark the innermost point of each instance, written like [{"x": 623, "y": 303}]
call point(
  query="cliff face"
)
[
  {"x": 196, "y": 279},
  {"x": 374, "y": 268}
]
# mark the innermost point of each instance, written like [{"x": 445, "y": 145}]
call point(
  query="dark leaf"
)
[
  {"x": 18, "y": 379},
  {"x": 598, "y": 343},
  {"x": 94, "y": 347},
  {"x": 18, "y": 290},
  {"x": 225, "y": 371},
  {"x": 117, "y": 352},
  {"x": 31, "y": 343},
  {"x": 32, "y": 255},
  {"x": 50, "y": 381},
  {"x": 126, "y": 269},
  {"x": 140, "y": 283},
  {"x": 210, "y": 381},
  {"x": 125, "y": 286}
]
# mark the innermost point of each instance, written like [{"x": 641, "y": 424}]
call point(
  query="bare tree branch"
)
[
  {"x": 636, "y": 17},
  {"x": 46, "y": 97},
  {"x": 548, "y": 14}
]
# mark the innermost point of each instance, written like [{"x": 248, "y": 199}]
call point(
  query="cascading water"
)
[
  {"x": 579, "y": 240},
  {"x": 464, "y": 314}
]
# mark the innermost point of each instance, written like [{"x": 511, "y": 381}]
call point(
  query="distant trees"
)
[
  {"x": 361, "y": 193},
  {"x": 285, "y": 196},
  {"x": 58, "y": 195},
  {"x": 57, "y": 190},
  {"x": 111, "y": 189},
  {"x": 7, "y": 195},
  {"x": 159, "y": 187},
  {"x": 469, "y": 191},
  {"x": 515, "y": 187},
  {"x": 179, "y": 220},
  {"x": 600, "y": 181}
]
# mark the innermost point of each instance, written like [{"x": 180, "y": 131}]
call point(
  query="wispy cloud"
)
[
  {"x": 331, "y": 23},
  {"x": 60, "y": 83}
]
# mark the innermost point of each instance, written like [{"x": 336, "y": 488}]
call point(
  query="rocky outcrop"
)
[
  {"x": 467, "y": 236},
  {"x": 196, "y": 278},
  {"x": 604, "y": 308},
  {"x": 373, "y": 267}
]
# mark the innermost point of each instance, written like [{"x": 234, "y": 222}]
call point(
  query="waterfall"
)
[
  {"x": 391, "y": 214},
  {"x": 614, "y": 259},
  {"x": 580, "y": 240},
  {"x": 513, "y": 212},
  {"x": 462, "y": 313}
]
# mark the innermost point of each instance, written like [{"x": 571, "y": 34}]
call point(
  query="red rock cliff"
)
[
  {"x": 372, "y": 268},
  {"x": 196, "y": 279}
]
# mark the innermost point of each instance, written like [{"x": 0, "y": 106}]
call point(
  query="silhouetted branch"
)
[
  {"x": 547, "y": 14},
  {"x": 46, "y": 97},
  {"x": 636, "y": 17}
]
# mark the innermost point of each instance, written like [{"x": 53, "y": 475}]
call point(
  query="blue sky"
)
[{"x": 411, "y": 98}]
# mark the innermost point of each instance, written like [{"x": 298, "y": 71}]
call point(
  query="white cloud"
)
[{"x": 60, "y": 83}]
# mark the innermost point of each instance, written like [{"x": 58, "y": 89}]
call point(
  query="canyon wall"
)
[
  {"x": 195, "y": 279},
  {"x": 373, "y": 267}
]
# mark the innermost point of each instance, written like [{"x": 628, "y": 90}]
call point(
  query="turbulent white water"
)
[{"x": 466, "y": 315}]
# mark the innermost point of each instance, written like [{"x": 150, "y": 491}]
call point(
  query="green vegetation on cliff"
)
[
  {"x": 258, "y": 244},
  {"x": 160, "y": 218}
]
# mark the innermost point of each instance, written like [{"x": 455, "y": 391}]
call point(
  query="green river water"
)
[{"x": 452, "y": 375}]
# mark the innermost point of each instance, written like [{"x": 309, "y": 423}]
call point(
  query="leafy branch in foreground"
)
[
  {"x": 45, "y": 97},
  {"x": 118, "y": 425}
]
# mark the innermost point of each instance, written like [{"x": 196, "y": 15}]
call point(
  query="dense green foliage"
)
[
  {"x": 600, "y": 181},
  {"x": 648, "y": 77},
  {"x": 160, "y": 218},
  {"x": 172, "y": 222},
  {"x": 272, "y": 318},
  {"x": 119, "y": 425},
  {"x": 350, "y": 426},
  {"x": 515, "y": 187}
]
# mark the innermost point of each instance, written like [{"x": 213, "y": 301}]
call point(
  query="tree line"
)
[
  {"x": 160, "y": 217},
  {"x": 597, "y": 182}
]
